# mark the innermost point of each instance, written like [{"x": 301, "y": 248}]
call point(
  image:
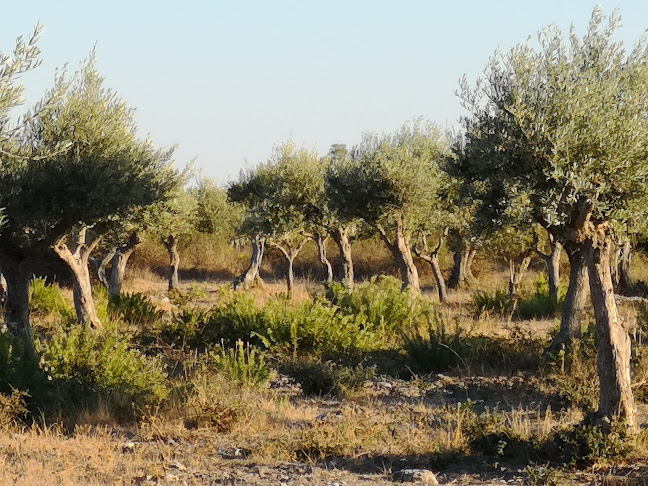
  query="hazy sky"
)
[{"x": 227, "y": 80}]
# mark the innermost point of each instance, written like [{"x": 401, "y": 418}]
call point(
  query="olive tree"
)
[
  {"x": 565, "y": 123},
  {"x": 274, "y": 217},
  {"x": 80, "y": 164},
  {"x": 394, "y": 182}
]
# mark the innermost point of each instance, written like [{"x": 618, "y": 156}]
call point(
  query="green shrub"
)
[
  {"x": 437, "y": 348},
  {"x": 47, "y": 300},
  {"x": 322, "y": 327},
  {"x": 575, "y": 373},
  {"x": 17, "y": 369},
  {"x": 539, "y": 305},
  {"x": 135, "y": 309},
  {"x": 499, "y": 304},
  {"x": 583, "y": 445},
  {"x": 102, "y": 365},
  {"x": 383, "y": 303},
  {"x": 319, "y": 378},
  {"x": 242, "y": 365}
]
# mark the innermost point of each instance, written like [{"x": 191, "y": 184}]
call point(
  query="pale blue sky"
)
[{"x": 228, "y": 80}]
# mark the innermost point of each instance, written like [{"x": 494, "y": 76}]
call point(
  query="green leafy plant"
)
[
  {"x": 243, "y": 365},
  {"x": 102, "y": 365},
  {"x": 135, "y": 308},
  {"x": 499, "y": 303},
  {"x": 47, "y": 300}
]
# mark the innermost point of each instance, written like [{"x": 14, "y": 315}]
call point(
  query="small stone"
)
[
  {"x": 421, "y": 476},
  {"x": 128, "y": 446}
]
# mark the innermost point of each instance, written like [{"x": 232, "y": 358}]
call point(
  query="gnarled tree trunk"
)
[
  {"x": 101, "y": 269},
  {"x": 323, "y": 258},
  {"x": 552, "y": 260},
  {"x": 341, "y": 237},
  {"x": 517, "y": 272},
  {"x": 461, "y": 275},
  {"x": 17, "y": 274},
  {"x": 614, "y": 347},
  {"x": 122, "y": 254},
  {"x": 290, "y": 253},
  {"x": 469, "y": 258},
  {"x": 574, "y": 305},
  {"x": 400, "y": 249},
  {"x": 171, "y": 244},
  {"x": 433, "y": 259},
  {"x": 624, "y": 282},
  {"x": 77, "y": 261},
  {"x": 251, "y": 276}
]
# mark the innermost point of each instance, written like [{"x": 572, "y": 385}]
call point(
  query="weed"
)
[
  {"x": 326, "y": 378},
  {"x": 135, "y": 309},
  {"x": 499, "y": 304},
  {"x": 243, "y": 365},
  {"x": 102, "y": 365},
  {"x": 47, "y": 300},
  {"x": 13, "y": 408}
]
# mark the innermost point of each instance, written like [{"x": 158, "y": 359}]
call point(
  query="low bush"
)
[
  {"x": 135, "y": 309},
  {"x": 346, "y": 325},
  {"x": 438, "y": 348},
  {"x": 583, "y": 445},
  {"x": 319, "y": 378},
  {"x": 499, "y": 304},
  {"x": 47, "y": 300},
  {"x": 102, "y": 366},
  {"x": 243, "y": 365},
  {"x": 539, "y": 305},
  {"x": 13, "y": 408}
]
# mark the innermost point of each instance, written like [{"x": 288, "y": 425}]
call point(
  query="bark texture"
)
[
  {"x": 323, "y": 258},
  {"x": 101, "y": 269},
  {"x": 171, "y": 244},
  {"x": 77, "y": 262},
  {"x": 517, "y": 271},
  {"x": 119, "y": 261},
  {"x": 461, "y": 275},
  {"x": 400, "y": 249},
  {"x": 552, "y": 259},
  {"x": 614, "y": 347},
  {"x": 18, "y": 275},
  {"x": 251, "y": 275},
  {"x": 341, "y": 237},
  {"x": 432, "y": 257},
  {"x": 575, "y": 300},
  {"x": 290, "y": 253}
]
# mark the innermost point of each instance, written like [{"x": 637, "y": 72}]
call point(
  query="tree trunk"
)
[
  {"x": 516, "y": 273},
  {"x": 433, "y": 259},
  {"x": 101, "y": 270},
  {"x": 122, "y": 254},
  {"x": 77, "y": 262},
  {"x": 321, "y": 251},
  {"x": 614, "y": 348},
  {"x": 341, "y": 237},
  {"x": 574, "y": 305},
  {"x": 18, "y": 275},
  {"x": 438, "y": 276},
  {"x": 470, "y": 257},
  {"x": 461, "y": 258},
  {"x": 290, "y": 253},
  {"x": 625, "y": 284},
  {"x": 171, "y": 244},
  {"x": 3, "y": 288},
  {"x": 251, "y": 276},
  {"x": 553, "y": 271},
  {"x": 402, "y": 253}
]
